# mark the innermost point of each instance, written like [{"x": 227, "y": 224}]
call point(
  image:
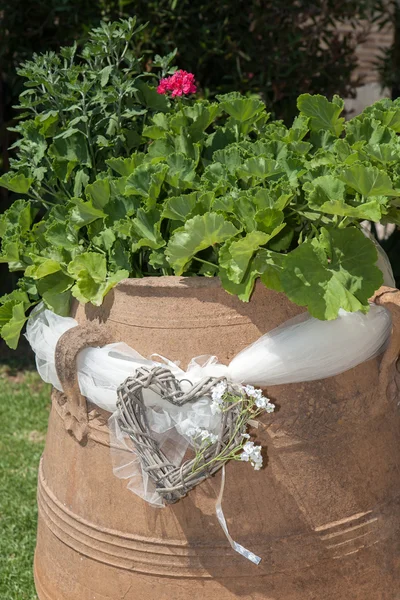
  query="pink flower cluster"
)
[{"x": 180, "y": 83}]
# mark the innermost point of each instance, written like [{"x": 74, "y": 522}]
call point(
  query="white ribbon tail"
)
[{"x": 221, "y": 518}]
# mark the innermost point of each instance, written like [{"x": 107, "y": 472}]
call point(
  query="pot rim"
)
[{"x": 170, "y": 281}]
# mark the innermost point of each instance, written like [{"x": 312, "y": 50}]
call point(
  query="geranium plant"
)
[{"x": 116, "y": 179}]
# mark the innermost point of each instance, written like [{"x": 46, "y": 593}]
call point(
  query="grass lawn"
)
[{"x": 24, "y": 409}]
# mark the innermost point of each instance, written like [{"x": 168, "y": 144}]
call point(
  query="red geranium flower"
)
[{"x": 180, "y": 83}]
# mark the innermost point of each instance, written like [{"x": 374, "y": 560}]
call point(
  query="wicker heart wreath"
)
[{"x": 172, "y": 482}]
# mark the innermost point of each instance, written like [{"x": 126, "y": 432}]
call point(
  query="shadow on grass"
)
[{"x": 21, "y": 359}]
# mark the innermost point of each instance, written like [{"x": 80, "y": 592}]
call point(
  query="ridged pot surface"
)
[{"x": 323, "y": 514}]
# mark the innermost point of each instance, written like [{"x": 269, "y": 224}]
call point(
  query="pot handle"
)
[
  {"x": 67, "y": 349},
  {"x": 390, "y": 298}
]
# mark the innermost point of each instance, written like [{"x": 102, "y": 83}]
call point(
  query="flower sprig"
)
[{"x": 251, "y": 403}]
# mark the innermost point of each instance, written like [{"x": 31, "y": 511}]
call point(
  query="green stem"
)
[
  {"x": 180, "y": 103},
  {"x": 206, "y": 262},
  {"x": 35, "y": 196},
  {"x": 244, "y": 416}
]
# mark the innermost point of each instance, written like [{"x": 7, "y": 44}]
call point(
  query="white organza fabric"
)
[{"x": 301, "y": 349}]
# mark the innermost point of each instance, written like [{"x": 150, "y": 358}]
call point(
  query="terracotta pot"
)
[{"x": 324, "y": 514}]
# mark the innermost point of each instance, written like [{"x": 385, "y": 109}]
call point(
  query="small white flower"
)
[
  {"x": 217, "y": 394},
  {"x": 270, "y": 407},
  {"x": 260, "y": 400},
  {"x": 249, "y": 390},
  {"x": 252, "y": 454},
  {"x": 201, "y": 435},
  {"x": 207, "y": 436},
  {"x": 246, "y": 435},
  {"x": 248, "y": 448},
  {"x": 218, "y": 391},
  {"x": 252, "y": 392}
]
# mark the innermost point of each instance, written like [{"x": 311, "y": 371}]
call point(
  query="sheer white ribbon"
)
[{"x": 301, "y": 349}]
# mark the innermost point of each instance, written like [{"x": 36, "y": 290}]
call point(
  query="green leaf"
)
[
  {"x": 105, "y": 239},
  {"x": 178, "y": 208},
  {"x": 105, "y": 75},
  {"x": 73, "y": 150},
  {"x": 242, "y": 207},
  {"x": 149, "y": 96},
  {"x": 11, "y": 255},
  {"x": 273, "y": 149},
  {"x": 89, "y": 269},
  {"x": 58, "y": 303},
  {"x": 282, "y": 240},
  {"x": 146, "y": 181},
  {"x": 260, "y": 168},
  {"x": 89, "y": 263},
  {"x": 146, "y": 227},
  {"x": 111, "y": 282},
  {"x": 270, "y": 265},
  {"x": 47, "y": 122},
  {"x": 159, "y": 127},
  {"x": 67, "y": 133},
  {"x": 125, "y": 166},
  {"x": 240, "y": 107},
  {"x": 84, "y": 213},
  {"x": 16, "y": 183},
  {"x": 62, "y": 235},
  {"x": 42, "y": 267},
  {"x": 56, "y": 283},
  {"x": 120, "y": 256},
  {"x": 153, "y": 132},
  {"x": 219, "y": 139},
  {"x": 383, "y": 153},
  {"x": 270, "y": 220},
  {"x": 336, "y": 270},
  {"x": 160, "y": 149},
  {"x": 392, "y": 216},
  {"x": 244, "y": 289},
  {"x": 265, "y": 264},
  {"x": 236, "y": 260},
  {"x": 230, "y": 157},
  {"x": 386, "y": 112},
  {"x": 217, "y": 178},
  {"x": 323, "y": 140},
  {"x": 198, "y": 233},
  {"x": 368, "y": 181},
  {"x": 202, "y": 114},
  {"x": 182, "y": 171},
  {"x": 322, "y": 113},
  {"x": 99, "y": 193},
  {"x": 11, "y": 331},
  {"x": 366, "y": 130},
  {"x": 81, "y": 181},
  {"x": 327, "y": 194},
  {"x": 15, "y": 297},
  {"x": 16, "y": 219},
  {"x": 272, "y": 198},
  {"x": 324, "y": 189}
]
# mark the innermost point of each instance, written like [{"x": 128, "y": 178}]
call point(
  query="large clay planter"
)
[{"x": 324, "y": 514}]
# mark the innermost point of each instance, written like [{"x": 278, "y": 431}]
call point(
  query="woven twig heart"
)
[{"x": 172, "y": 482}]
